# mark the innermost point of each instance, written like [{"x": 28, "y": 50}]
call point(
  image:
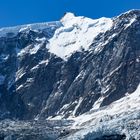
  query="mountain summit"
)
[{"x": 77, "y": 78}]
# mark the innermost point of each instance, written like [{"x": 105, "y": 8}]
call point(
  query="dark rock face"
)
[
  {"x": 38, "y": 84},
  {"x": 109, "y": 137}
]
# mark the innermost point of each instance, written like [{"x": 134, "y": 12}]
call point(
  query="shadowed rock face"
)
[
  {"x": 110, "y": 137},
  {"x": 35, "y": 83}
]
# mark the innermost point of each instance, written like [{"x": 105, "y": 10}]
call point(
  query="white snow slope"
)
[
  {"x": 120, "y": 117},
  {"x": 76, "y": 34}
]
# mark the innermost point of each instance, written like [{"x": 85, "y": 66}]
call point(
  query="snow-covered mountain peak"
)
[
  {"x": 67, "y": 17},
  {"x": 76, "y": 34}
]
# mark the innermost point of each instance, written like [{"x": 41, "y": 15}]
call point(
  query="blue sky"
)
[{"x": 16, "y": 12}]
